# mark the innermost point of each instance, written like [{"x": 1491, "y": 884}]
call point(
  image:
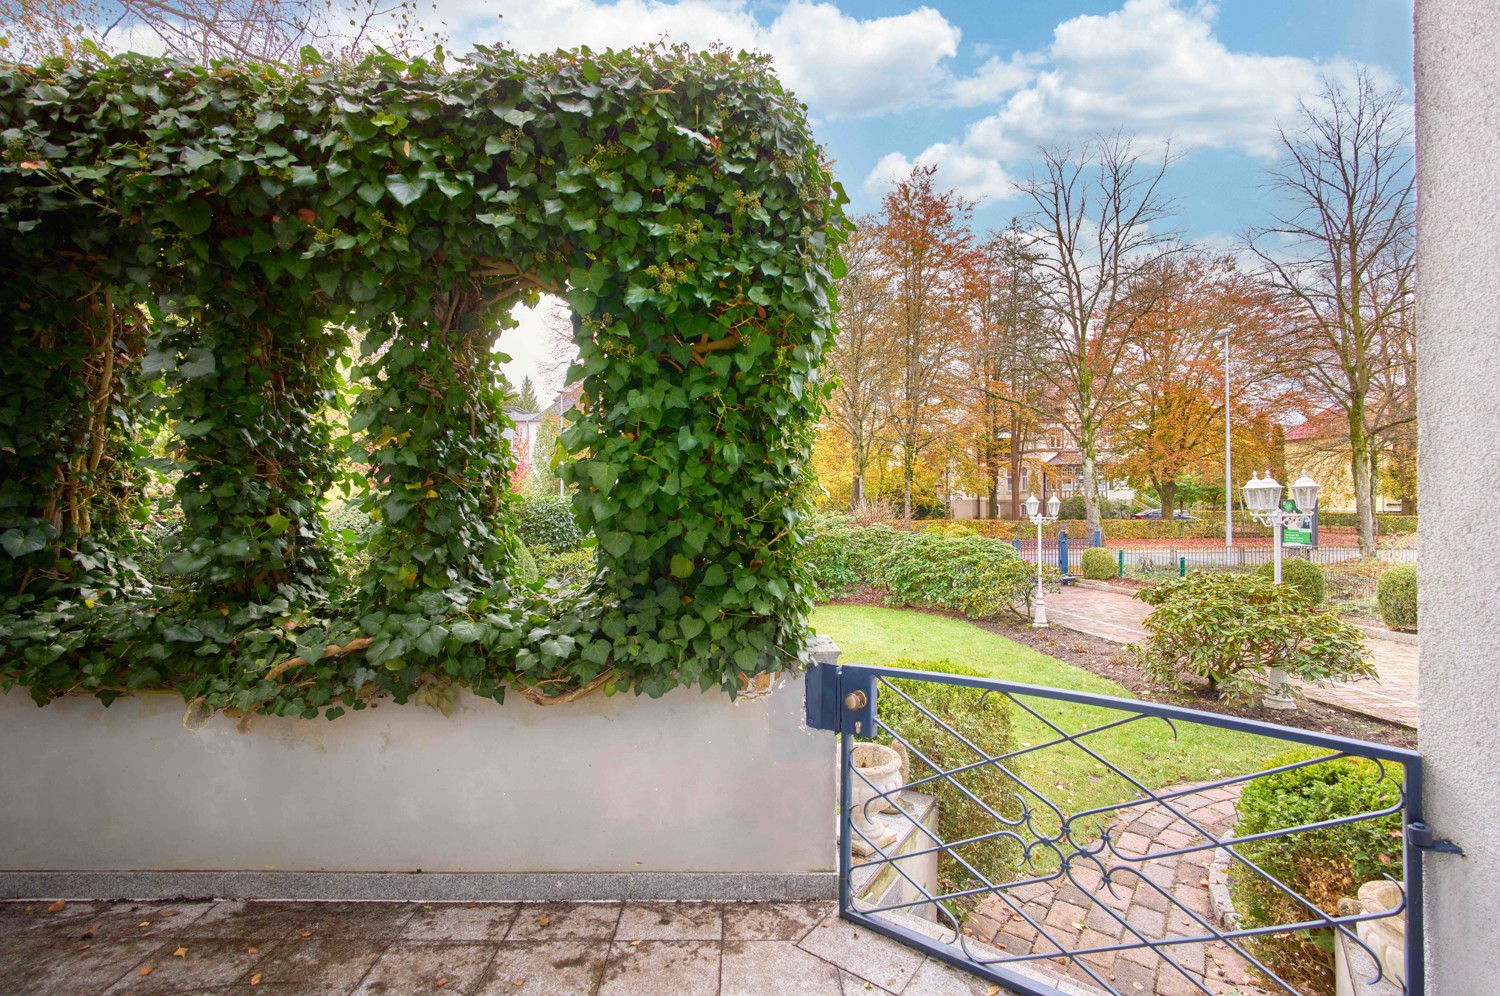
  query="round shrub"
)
[
  {"x": 1099, "y": 564},
  {"x": 1322, "y": 865},
  {"x": 546, "y": 523},
  {"x": 1303, "y": 575},
  {"x": 1396, "y": 596},
  {"x": 1226, "y": 628},
  {"x": 842, "y": 557}
]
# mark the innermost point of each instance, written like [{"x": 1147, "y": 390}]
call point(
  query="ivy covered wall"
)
[{"x": 189, "y": 253}]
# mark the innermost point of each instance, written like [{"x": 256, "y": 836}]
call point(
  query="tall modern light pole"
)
[
  {"x": 1033, "y": 512},
  {"x": 1263, "y": 499},
  {"x": 1228, "y": 467}
]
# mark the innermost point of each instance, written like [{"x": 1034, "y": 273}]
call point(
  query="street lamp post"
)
[
  {"x": 1263, "y": 499},
  {"x": 1228, "y": 475},
  {"x": 1033, "y": 512}
]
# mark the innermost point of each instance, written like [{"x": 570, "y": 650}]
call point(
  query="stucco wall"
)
[
  {"x": 685, "y": 783},
  {"x": 1458, "y": 347}
]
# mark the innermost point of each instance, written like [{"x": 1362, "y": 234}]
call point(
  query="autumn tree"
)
[
  {"x": 1171, "y": 425},
  {"x": 1096, "y": 231},
  {"x": 998, "y": 360},
  {"x": 1342, "y": 252},
  {"x": 863, "y": 361},
  {"x": 266, "y": 31},
  {"x": 925, "y": 248}
]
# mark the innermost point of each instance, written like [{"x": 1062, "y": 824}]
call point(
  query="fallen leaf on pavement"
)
[
  {"x": 252, "y": 951},
  {"x": 255, "y": 979},
  {"x": 85, "y": 947},
  {"x": 180, "y": 953},
  {"x": 442, "y": 982},
  {"x": 144, "y": 923},
  {"x": 145, "y": 970},
  {"x": 544, "y": 921},
  {"x": 304, "y": 933},
  {"x": 57, "y": 907}
]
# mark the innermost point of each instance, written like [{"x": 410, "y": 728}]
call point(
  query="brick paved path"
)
[
  {"x": 1160, "y": 898},
  {"x": 1119, "y": 617}
]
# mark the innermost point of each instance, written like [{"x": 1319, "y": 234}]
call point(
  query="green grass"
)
[{"x": 1147, "y": 748}]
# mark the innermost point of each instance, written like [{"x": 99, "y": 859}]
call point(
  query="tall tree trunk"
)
[
  {"x": 1090, "y": 491},
  {"x": 1359, "y": 466},
  {"x": 1166, "y": 491},
  {"x": 1016, "y": 451},
  {"x": 907, "y": 460}
]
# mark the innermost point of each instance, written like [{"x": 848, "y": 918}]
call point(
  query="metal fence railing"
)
[
  {"x": 1349, "y": 579},
  {"x": 1088, "y": 890}
]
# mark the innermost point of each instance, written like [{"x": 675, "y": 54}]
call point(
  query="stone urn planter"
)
[
  {"x": 1387, "y": 936},
  {"x": 881, "y": 768}
]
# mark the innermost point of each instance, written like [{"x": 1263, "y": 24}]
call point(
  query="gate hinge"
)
[{"x": 1419, "y": 835}]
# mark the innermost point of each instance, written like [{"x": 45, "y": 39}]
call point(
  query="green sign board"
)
[{"x": 1296, "y": 537}]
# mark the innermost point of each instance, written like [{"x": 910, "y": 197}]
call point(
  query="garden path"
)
[
  {"x": 1144, "y": 898},
  {"x": 478, "y": 949},
  {"x": 1119, "y": 617}
]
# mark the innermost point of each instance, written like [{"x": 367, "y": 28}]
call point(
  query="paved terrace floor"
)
[
  {"x": 1120, "y": 617},
  {"x": 479, "y": 949}
]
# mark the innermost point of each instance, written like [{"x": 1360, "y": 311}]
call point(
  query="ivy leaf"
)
[
  {"x": 278, "y": 523},
  {"x": 405, "y": 191},
  {"x": 628, "y": 203},
  {"x": 19, "y": 544},
  {"x": 682, "y": 567},
  {"x": 193, "y": 217},
  {"x": 199, "y": 362},
  {"x": 195, "y": 158}
]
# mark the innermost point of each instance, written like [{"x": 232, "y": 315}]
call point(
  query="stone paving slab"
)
[
  {"x": 475, "y": 949},
  {"x": 1120, "y": 618}
]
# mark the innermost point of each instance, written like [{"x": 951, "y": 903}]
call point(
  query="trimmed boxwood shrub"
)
[
  {"x": 985, "y": 721},
  {"x": 1322, "y": 865},
  {"x": 1099, "y": 564},
  {"x": 1396, "y": 597},
  {"x": 969, "y": 574},
  {"x": 1226, "y": 628},
  {"x": 525, "y": 565},
  {"x": 547, "y": 523},
  {"x": 1303, "y": 575}
]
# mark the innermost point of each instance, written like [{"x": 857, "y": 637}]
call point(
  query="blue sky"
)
[{"x": 975, "y": 86}]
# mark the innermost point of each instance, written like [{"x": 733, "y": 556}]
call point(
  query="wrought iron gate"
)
[{"x": 1086, "y": 900}]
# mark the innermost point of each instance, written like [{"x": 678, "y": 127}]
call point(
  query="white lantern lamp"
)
[
  {"x": 1031, "y": 505},
  {"x": 1053, "y": 506},
  {"x": 1262, "y": 495},
  {"x": 1305, "y": 493}
]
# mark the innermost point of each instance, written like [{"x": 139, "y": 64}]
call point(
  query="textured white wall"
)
[
  {"x": 687, "y": 782},
  {"x": 1458, "y": 144}
]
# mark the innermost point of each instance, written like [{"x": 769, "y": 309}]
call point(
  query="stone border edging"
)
[
  {"x": 419, "y": 886},
  {"x": 1393, "y": 635}
]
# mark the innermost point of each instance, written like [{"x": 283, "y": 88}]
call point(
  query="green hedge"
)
[
  {"x": 1322, "y": 865},
  {"x": 572, "y": 569},
  {"x": 1100, "y": 564},
  {"x": 842, "y": 556},
  {"x": 1303, "y": 575},
  {"x": 985, "y": 721},
  {"x": 972, "y": 575},
  {"x": 1396, "y": 597}
]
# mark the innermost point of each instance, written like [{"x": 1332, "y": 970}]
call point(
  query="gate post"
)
[{"x": 1062, "y": 553}]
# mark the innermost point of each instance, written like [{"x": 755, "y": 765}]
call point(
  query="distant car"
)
[{"x": 1155, "y": 513}]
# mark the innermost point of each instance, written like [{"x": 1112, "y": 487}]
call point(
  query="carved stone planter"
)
[{"x": 881, "y": 768}]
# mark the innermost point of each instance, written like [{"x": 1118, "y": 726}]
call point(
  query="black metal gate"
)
[{"x": 1067, "y": 885}]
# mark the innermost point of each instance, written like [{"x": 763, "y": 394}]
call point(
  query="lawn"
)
[{"x": 1147, "y": 748}]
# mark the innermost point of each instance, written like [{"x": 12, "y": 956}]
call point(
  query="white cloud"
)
[
  {"x": 841, "y": 65},
  {"x": 976, "y": 177},
  {"x": 1153, "y": 68}
]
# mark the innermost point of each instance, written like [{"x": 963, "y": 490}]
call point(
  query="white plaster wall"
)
[
  {"x": 687, "y": 782},
  {"x": 1458, "y": 322}
]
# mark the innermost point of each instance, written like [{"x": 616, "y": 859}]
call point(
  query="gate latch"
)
[{"x": 1419, "y": 835}]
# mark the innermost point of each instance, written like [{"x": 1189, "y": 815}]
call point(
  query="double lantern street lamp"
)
[
  {"x": 1263, "y": 500},
  {"x": 1033, "y": 512}
]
